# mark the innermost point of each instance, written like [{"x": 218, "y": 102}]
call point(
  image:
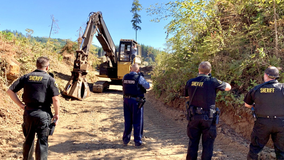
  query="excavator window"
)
[
  {"x": 128, "y": 48},
  {"x": 125, "y": 50}
]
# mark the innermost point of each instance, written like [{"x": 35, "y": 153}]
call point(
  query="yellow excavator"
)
[{"x": 117, "y": 63}]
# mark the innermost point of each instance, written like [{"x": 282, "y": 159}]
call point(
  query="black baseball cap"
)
[{"x": 272, "y": 72}]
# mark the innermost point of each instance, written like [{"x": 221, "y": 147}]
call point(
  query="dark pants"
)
[
  {"x": 36, "y": 121},
  {"x": 262, "y": 130},
  {"x": 132, "y": 116},
  {"x": 132, "y": 58},
  {"x": 200, "y": 127}
]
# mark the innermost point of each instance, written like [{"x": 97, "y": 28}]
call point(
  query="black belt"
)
[
  {"x": 31, "y": 108},
  {"x": 35, "y": 107},
  {"x": 201, "y": 117},
  {"x": 270, "y": 117},
  {"x": 132, "y": 97},
  {"x": 200, "y": 111}
]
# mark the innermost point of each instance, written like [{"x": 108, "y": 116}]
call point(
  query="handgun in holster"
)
[
  {"x": 217, "y": 115},
  {"x": 141, "y": 102},
  {"x": 253, "y": 113},
  {"x": 52, "y": 127},
  {"x": 189, "y": 111}
]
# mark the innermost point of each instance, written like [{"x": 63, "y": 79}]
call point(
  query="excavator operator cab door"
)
[{"x": 125, "y": 51}]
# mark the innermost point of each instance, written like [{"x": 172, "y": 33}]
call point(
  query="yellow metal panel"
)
[
  {"x": 123, "y": 68},
  {"x": 104, "y": 76}
]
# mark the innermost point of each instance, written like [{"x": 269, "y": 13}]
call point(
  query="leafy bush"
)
[{"x": 237, "y": 37}]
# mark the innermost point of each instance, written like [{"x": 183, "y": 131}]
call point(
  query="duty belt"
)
[
  {"x": 269, "y": 117},
  {"x": 132, "y": 97},
  {"x": 31, "y": 108},
  {"x": 201, "y": 117},
  {"x": 34, "y": 107}
]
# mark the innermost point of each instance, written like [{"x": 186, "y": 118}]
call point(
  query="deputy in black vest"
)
[
  {"x": 39, "y": 87},
  {"x": 134, "y": 87},
  {"x": 268, "y": 102},
  {"x": 202, "y": 94}
]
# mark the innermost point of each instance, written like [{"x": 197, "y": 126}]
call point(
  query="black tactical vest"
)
[
  {"x": 131, "y": 86},
  {"x": 269, "y": 99},
  {"x": 35, "y": 88}
]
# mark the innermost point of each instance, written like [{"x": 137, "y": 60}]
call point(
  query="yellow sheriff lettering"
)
[
  {"x": 35, "y": 78},
  {"x": 198, "y": 84},
  {"x": 266, "y": 90}
]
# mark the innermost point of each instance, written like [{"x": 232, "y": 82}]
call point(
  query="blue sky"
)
[{"x": 73, "y": 14}]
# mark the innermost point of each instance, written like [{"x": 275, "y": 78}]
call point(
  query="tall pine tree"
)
[{"x": 136, "y": 7}]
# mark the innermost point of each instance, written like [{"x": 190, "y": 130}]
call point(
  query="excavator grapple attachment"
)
[{"x": 77, "y": 87}]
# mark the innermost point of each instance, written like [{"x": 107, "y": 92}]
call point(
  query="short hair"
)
[
  {"x": 135, "y": 67},
  {"x": 205, "y": 67},
  {"x": 272, "y": 72},
  {"x": 42, "y": 62}
]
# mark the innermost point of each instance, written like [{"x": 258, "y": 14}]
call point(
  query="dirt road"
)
[{"x": 92, "y": 129}]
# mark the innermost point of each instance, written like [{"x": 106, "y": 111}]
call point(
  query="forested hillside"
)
[
  {"x": 148, "y": 53},
  {"x": 240, "y": 39}
]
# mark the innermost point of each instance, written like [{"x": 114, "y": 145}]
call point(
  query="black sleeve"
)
[
  {"x": 220, "y": 85},
  {"x": 17, "y": 85},
  {"x": 249, "y": 98},
  {"x": 53, "y": 88},
  {"x": 186, "y": 90}
]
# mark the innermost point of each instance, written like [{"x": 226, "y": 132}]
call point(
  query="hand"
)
[
  {"x": 55, "y": 118},
  {"x": 141, "y": 74},
  {"x": 23, "y": 106}
]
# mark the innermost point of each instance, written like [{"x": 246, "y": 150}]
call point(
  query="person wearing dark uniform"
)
[
  {"x": 202, "y": 94},
  {"x": 268, "y": 101},
  {"x": 134, "y": 87},
  {"x": 39, "y": 88}
]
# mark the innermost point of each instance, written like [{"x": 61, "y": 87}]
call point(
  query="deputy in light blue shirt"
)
[{"x": 134, "y": 87}]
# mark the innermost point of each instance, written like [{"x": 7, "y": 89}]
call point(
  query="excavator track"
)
[{"x": 100, "y": 86}]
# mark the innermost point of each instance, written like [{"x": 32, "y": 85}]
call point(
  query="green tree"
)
[
  {"x": 244, "y": 35},
  {"x": 136, "y": 7}
]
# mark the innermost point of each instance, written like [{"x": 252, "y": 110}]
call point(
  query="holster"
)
[
  {"x": 216, "y": 116},
  {"x": 189, "y": 111},
  {"x": 253, "y": 113},
  {"x": 141, "y": 102},
  {"x": 51, "y": 128}
]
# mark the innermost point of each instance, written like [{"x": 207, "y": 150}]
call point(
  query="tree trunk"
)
[
  {"x": 276, "y": 33},
  {"x": 136, "y": 36},
  {"x": 50, "y": 29}
]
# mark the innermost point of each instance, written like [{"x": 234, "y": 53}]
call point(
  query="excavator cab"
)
[
  {"x": 127, "y": 56},
  {"x": 128, "y": 51}
]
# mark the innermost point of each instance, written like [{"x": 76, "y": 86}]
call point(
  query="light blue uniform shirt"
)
[{"x": 142, "y": 81}]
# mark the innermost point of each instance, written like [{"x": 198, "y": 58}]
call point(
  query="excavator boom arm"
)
[{"x": 77, "y": 86}]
